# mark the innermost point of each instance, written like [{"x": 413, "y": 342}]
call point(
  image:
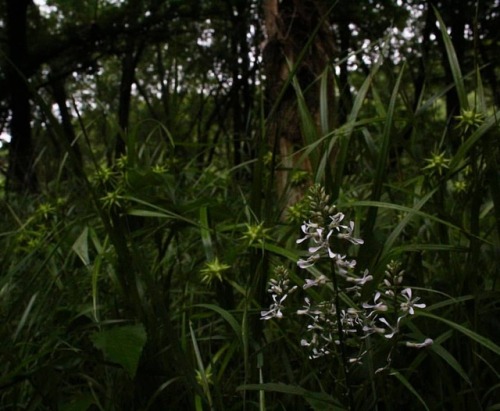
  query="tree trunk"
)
[
  {"x": 289, "y": 25},
  {"x": 60, "y": 97},
  {"x": 129, "y": 63},
  {"x": 241, "y": 95},
  {"x": 20, "y": 174},
  {"x": 345, "y": 100}
]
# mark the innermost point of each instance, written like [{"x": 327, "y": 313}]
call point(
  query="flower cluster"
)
[
  {"x": 279, "y": 288},
  {"x": 392, "y": 298},
  {"x": 321, "y": 238},
  {"x": 342, "y": 323}
]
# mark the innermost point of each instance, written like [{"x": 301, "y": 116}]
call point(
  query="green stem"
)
[{"x": 341, "y": 337}]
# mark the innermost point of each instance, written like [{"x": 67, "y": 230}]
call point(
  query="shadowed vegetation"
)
[{"x": 159, "y": 174}]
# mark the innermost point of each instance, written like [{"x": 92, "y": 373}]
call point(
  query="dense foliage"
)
[{"x": 249, "y": 205}]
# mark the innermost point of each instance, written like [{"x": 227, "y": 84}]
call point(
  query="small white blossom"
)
[
  {"x": 407, "y": 306},
  {"x": 360, "y": 281},
  {"x": 379, "y": 306},
  {"x": 321, "y": 280},
  {"x": 426, "y": 343},
  {"x": 309, "y": 262},
  {"x": 394, "y": 330},
  {"x": 275, "y": 309},
  {"x": 335, "y": 223},
  {"x": 347, "y": 235},
  {"x": 371, "y": 328},
  {"x": 311, "y": 230}
]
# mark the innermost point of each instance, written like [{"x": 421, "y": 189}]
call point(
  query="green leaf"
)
[
  {"x": 410, "y": 388},
  {"x": 450, "y": 360},
  {"x": 122, "y": 345},
  {"x": 485, "y": 342},
  {"x": 454, "y": 64},
  {"x": 456, "y": 161},
  {"x": 383, "y": 154},
  {"x": 81, "y": 403},
  {"x": 201, "y": 367},
  {"x": 150, "y": 214},
  {"x": 351, "y": 120},
  {"x": 226, "y": 315},
  {"x": 25, "y": 316},
  {"x": 318, "y": 400},
  {"x": 414, "y": 211},
  {"x": 81, "y": 246}
]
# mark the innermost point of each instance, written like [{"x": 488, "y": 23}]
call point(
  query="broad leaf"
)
[{"x": 122, "y": 345}]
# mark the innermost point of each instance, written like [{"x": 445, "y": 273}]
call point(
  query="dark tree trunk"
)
[
  {"x": 241, "y": 90},
  {"x": 345, "y": 100},
  {"x": 21, "y": 174},
  {"x": 129, "y": 63},
  {"x": 289, "y": 27},
  {"x": 60, "y": 97}
]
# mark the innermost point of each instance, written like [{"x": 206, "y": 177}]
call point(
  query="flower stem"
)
[{"x": 341, "y": 337}]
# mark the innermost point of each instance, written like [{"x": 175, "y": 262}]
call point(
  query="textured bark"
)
[
  {"x": 20, "y": 174},
  {"x": 241, "y": 94},
  {"x": 60, "y": 97},
  {"x": 129, "y": 64},
  {"x": 289, "y": 25}
]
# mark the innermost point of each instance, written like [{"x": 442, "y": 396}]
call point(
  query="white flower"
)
[
  {"x": 360, "y": 281},
  {"x": 311, "y": 230},
  {"x": 394, "y": 330},
  {"x": 309, "y": 262},
  {"x": 426, "y": 343},
  {"x": 306, "y": 309},
  {"x": 336, "y": 219},
  {"x": 275, "y": 309},
  {"x": 343, "y": 264},
  {"x": 407, "y": 306},
  {"x": 321, "y": 280},
  {"x": 350, "y": 320},
  {"x": 348, "y": 234},
  {"x": 379, "y": 306},
  {"x": 372, "y": 328}
]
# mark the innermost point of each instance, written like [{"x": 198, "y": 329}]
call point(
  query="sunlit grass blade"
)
[
  {"x": 344, "y": 139},
  {"x": 383, "y": 154},
  {"x": 24, "y": 317},
  {"x": 155, "y": 211},
  {"x": 324, "y": 98},
  {"x": 415, "y": 211},
  {"x": 204, "y": 380},
  {"x": 308, "y": 124},
  {"x": 96, "y": 271},
  {"x": 460, "y": 157},
  {"x": 454, "y": 64},
  {"x": 317, "y": 400},
  {"x": 227, "y": 316}
]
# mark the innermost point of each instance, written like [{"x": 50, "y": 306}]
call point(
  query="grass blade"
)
[
  {"x": 410, "y": 388},
  {"x": 454, "y": 64},
  {"x": 381, "y": 167},
  {"x": 485, "y": 342}
]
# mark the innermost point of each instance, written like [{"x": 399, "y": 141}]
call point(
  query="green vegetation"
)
[{"x": 152, "y": 223}]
